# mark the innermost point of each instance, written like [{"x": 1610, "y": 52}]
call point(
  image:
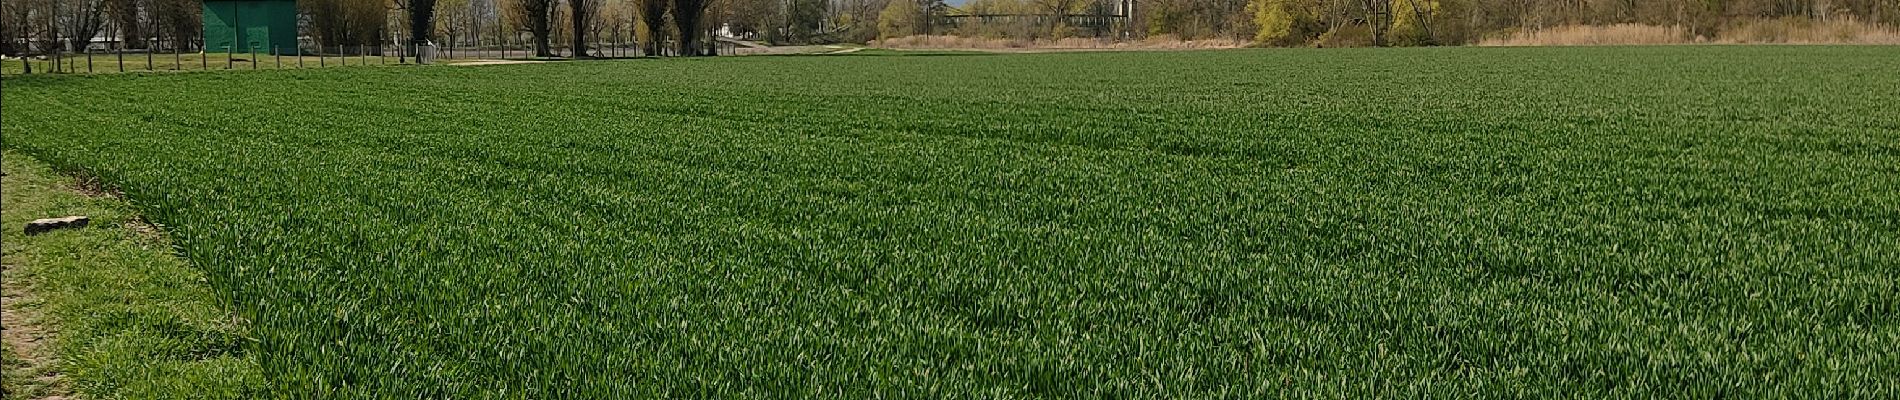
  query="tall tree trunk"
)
[
  {"x": 653, "y": 13},
  {"x": 540, "y": 29},
  {"x": 537, "y": 14},
  {"x": 125, "y": 14},
  {"x": 421, "y": 21},
  {"x": 686, "y": 17},
  {"x": 580, "y": 11},
  {"x": 421, "y": 27}
]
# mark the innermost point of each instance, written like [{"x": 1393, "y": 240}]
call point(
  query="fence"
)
[{"x": 113, "y": 56}]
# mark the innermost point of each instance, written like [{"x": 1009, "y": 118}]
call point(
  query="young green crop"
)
[{"x": 1470, "y": 222}]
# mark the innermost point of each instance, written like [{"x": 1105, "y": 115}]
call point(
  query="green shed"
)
[{"x": 238, "y": 25}]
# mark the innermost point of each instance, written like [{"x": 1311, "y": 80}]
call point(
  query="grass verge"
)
[{"x": 107, "y": 311}]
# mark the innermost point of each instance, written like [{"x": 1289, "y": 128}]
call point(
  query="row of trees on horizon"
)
[
  {"x": 47, "y": 26},
  {"x": 35, "y": 26}
]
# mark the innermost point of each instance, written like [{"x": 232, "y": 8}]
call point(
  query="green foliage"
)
[
  {"x": 1344, "y": 223},
  {"x": 1428, "y": 22},
  {"x": 899, "y": 19},
  {"x": 1283, "y": 22}
]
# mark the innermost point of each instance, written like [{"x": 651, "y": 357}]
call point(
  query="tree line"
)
[
  {"x": 684, "y": 27},
  {"x": 679, "y": 27},
  {"x": 1365, "y": 22},
  {"x": 1454, "y": 22}
]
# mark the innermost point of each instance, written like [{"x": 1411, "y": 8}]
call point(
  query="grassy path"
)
[{"x": 107, "y": 311}]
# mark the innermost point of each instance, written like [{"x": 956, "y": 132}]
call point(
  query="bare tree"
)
[
  {"x": 535, "y": 15},
  {"x": 79, "y": 21},
  {"x": 18, "y": 26},
  {"x": 178, "y": 21},
  {"x": 332, "y": 22},
  {"x": 125, "y": 15},
  {"x": 454, "y": 19}
]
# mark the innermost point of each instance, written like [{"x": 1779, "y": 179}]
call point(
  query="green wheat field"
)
[{"x": 1694, "y": 221}]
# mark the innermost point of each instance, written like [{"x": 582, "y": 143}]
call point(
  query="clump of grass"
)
[
  {"x": 1811, "y": 31},
  {"x": 1595, "y": 35}
]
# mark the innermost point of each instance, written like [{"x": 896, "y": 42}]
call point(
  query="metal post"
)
[
  {"x": 88, "y": 57},
  {"x": 150, "y": 46},
  {"x": 319, "y": 58},
  {"x": 237, "y": 36},
  {"x": 121, "y": 55},
  {"x": 178, "y": 59},
  {"x": 253, "y": 57},
  {"x": 300, "y": 56},
  {"x": 279, "y": 53}
]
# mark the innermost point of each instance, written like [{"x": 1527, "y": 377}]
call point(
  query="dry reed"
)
[{"x": 1776, "y": 31}]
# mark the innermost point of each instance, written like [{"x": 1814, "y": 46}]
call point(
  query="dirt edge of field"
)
[{"x": 31, "y": 368}]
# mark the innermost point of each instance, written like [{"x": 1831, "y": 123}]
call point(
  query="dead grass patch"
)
[{"x": 1769, "y": 31}]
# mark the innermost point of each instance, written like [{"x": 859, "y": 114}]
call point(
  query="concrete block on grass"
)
[{"x": 44, "y": 225}]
